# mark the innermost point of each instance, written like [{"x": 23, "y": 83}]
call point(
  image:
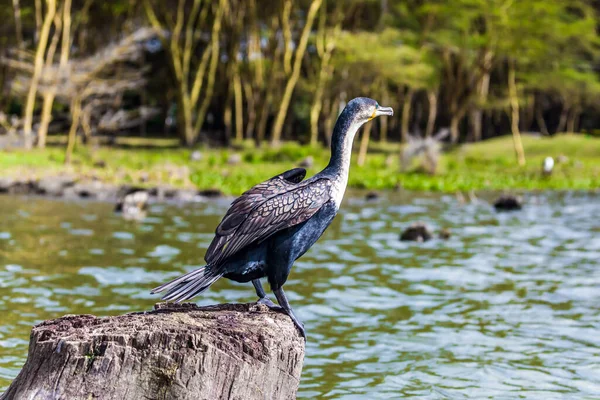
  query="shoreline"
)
[
  {"x": 483, "y": 166},
  {"x": 72, "y": 189},
  {"x": 69, "y": 188}
]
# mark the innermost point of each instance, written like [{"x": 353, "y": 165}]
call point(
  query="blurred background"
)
[
  {"x": 249, "y": 77},
  {"x": 191, "y": 102}
]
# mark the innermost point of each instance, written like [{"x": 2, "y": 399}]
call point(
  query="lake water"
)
[{"x": 508, "y": 307}]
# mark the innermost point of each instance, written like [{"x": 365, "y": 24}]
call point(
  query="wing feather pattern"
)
[{"x": 279, "y": 203}]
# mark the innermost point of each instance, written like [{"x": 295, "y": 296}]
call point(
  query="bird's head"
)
[
  {"x": 364, "y": 109},
  {"x": 357, "y": 112}
]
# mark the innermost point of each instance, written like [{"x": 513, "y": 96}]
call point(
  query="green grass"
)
[{"x": 486, "y": 165}]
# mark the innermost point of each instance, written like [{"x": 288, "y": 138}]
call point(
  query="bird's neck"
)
[{"x": 341, "y": 153}]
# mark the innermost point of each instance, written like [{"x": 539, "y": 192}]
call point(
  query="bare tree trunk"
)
[
  {"x": 572, "y": 119},
  {"x": 562, "y": 122},
  {"x": 18, "y": 26},
  {"x": 514, "y": 105},
  {"x": 75, "y": 114},
  {"x": 49, "y": 96},
  {"x": 38, "y": 20},
  {"x": 540, "y": 120},
  {"x": 227, "y": 116},
  {"x": 214, "y": 61},
  {"x": 287, "y": 36},
  {"x": 483, "y": 88},
  {"x": 239, "y": 110},
  {"x": 295, "y": 75},
  {"x": 330, "y": 119},
  {"x": 264, "y": 115},
  {"x": 184, "y": 352},
  {"x": 46, "y": 118},
  {"x": 364, "y": 144},
  {"x": 406, "y": 114},
  {"x": 251, "y": 107},
  {"x": 37, "y": 71},
  {"x": 454, "y": 132},
  {"x": 432, "y": 98},
  {"x": 324, "y": 76}
]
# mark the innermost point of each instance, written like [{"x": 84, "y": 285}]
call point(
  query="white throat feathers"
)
[{"x": 339, "y": 165}]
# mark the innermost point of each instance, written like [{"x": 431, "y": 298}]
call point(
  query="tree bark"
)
[
  {"x": 239, "y": 110},
  {"x": 364, "y": 144},
  {"x": 328, "y": 44},
  {"x": 228, "y": 351},
  {"x": 432, "y": 97},
  {"x": 75, "y": 114},
  {"x": 483, "y": 88},
  {"x": 37, "y": 71},
  {"x": 295, "y": 75},
  {"x": 251, "y": 107},
  {"x": 541, "y": 122},
  {"x": 562, "y": 122},
  {"x": 572, "y": 120},
  {"x": 49, "y": 96},
  {"x": 406, "y": 114},
  {"x": 514, "y": 105},
  {"x": 18, "y": 25}
]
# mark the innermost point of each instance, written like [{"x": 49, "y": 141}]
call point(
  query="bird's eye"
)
[{"x": 376, "y": 106}]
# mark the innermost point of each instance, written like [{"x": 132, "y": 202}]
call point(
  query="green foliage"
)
[{"x": 485, "y": 165}]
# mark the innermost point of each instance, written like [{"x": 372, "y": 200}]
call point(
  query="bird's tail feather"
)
[{"x": 189, "y": 285}]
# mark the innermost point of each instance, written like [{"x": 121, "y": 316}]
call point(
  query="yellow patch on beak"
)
[{"x": 373, "y": 115}]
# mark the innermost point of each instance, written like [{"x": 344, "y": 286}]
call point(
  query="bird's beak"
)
[{"x": 384, "y": 111}]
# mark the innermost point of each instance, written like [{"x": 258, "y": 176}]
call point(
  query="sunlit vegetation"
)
[
  {"x": 221, "y": 72},
  {"x": 486, "y": 165}
]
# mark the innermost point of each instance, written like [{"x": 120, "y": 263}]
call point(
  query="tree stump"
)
[{"x": 229, "y": 351}]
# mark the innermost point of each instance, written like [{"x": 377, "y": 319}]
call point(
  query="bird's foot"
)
[
  {"x": 300, "y": 327},
  {"x": 267, "y": 302}
]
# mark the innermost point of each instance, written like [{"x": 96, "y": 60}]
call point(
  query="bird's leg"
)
[
  {"x": 262, "y": 296},
  {"x": 283, "y": 302}
]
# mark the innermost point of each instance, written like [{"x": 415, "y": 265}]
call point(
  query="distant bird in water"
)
[
  {"x": 133, "y": 204},
  {"x": 508, "y": 203},
  {"x": 274, "y": 223},
  {"x": 547, "y": 166}
]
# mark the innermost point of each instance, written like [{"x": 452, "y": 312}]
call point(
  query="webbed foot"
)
[{"x": 267, "y": 302}]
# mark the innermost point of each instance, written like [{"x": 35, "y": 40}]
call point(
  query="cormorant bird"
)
[{"x": 274, "y": 223}]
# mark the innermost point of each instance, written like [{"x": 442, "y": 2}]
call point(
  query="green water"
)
[{"x": 508, "y": 307}]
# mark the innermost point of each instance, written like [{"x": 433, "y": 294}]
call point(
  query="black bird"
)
[{"x": 274, "y": 223}]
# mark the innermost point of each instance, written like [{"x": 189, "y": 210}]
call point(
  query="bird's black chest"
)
[{"x": 287, "y": 246}]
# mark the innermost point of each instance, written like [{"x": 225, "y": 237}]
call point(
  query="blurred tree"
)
[
  {"x": 176, "y": 26},
  {"x": 294, "y": 71}
]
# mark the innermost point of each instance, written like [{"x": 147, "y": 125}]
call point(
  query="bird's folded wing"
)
[{"x": 258, "y": 214}]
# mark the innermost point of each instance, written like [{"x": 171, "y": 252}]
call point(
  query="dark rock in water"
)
[
  {"x": 210, "y": 193},
  {"x": 13, "y": 186},
  {"x": 163, "y": 192},
  {"x": 6, "y": 184},
  {"x": 372, "y": 196},
  {"x": 417, "y": 232},
  {"x": 508, "y": 203},
  {"x": 444, "y": 233},
  {"x": 307, "y": 162},
  {"x": 196, "y": 156}
]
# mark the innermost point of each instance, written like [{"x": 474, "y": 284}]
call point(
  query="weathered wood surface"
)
[{"x": 229, "y": 351}]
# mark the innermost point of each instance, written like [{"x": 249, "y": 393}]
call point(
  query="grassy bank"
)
[{"x": 485, "y": 165}]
